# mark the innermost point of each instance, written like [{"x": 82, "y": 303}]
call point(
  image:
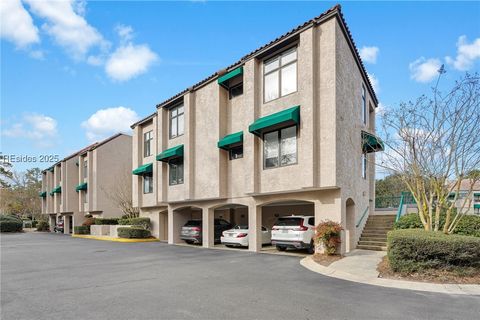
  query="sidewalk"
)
[{"x": 361, "y": 266}]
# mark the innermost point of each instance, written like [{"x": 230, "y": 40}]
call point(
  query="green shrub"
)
[
  {"x": 81, "y": 229},
  {"x": 415, "y": 250},
  {"x": 35, "y": 223},
  {"x": 43, "y": 225},
  {"x": 468, "y": 226},
  {"x": 106, "y": 221},
  {"x": 143, "y": 222},
  {"x": 9, "y": 223},
  {"x": 133, "y": 233},
  {"x": 408, "y": 221}
]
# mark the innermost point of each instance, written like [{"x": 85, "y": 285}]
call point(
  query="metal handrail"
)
[
  {"x": 400, "y": 208},
  {"x": 361, "y": 218}
]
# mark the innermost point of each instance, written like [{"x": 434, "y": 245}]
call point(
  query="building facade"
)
[
  {"x": 85, "y": 183},
  {"x": 288, "y": 129}
]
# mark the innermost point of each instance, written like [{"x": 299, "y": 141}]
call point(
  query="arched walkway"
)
[{"x": 350, "y": 225}]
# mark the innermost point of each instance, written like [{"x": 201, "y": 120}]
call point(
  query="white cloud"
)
[
  {"x": 124, "y": 32},
  {"x": 467, "y": 53},
  {"x": 16, "y": 24},
  {"x": 39, "y": 128},
  {"x": 129, "y": 61},
  {"x": 423, "y": 70},
  {"x": 381, "y": 109},
  {"x": 374, "y": 81},
  {"x": 369, "y": 54},
  {"x": 66, "y": 24},
  {"x": 106, "y": 122},
  {"x": 37, "y": 54}
]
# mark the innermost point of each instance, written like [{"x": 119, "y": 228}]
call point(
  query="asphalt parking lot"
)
[{"x": 53, "y": 276}]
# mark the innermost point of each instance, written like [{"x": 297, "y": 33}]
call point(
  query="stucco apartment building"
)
[
  {"x": 468, "y": 198},
  {"x": 79, "y": 184},
  {"x": 287, "y": 129}
]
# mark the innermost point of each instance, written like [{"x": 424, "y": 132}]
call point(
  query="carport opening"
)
[
  {"x": 187, "y": 224},
  {"x": 231, "y": 226},
  {"x": 273, "y": 213}
]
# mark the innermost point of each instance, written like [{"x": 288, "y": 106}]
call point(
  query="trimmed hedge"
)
[
  {"x": 143, "y": 222},
  {"x": 415, "y": 250},
  {"x": 133, "y": 233},
  {"x": 9, "y": 223},
  {"x": 106, "y": 221},
  {"x": 43, "y": 226},
  {"x": 81, "y": 229},
  {"x": 469, "y": 225}
]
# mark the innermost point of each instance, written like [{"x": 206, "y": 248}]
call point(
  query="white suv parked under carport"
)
[{"x": 294, "y": 232}]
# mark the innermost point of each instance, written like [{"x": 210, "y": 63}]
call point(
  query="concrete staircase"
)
[{"x": 374, "y": 235}]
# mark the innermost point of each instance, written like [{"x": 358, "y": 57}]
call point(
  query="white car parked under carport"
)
[{"x": 238, "y": 236}]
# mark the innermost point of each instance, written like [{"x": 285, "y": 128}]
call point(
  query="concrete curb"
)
[
  {"x": 105, "y": 238},
  {"x": 465, "y": 289}
]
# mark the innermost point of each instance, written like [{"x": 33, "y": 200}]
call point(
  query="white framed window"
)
[
  {"x": 175, "y": 168},
  {"x": 364, "y": 165},
  {"x": 147, "y": 143},
  {"x": 364, "y": 105},
  {"x": 177, "y": 121},
  {"x": 280, "y": 75},
  {"x": 280, "y": 148},
  {"x": 147, "y": 184}
]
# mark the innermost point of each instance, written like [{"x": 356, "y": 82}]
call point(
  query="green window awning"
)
[
  {"x": 229, "y": 140},
  {"x": 371, "y": 143},
  {"x": 175, "y": 152},
  {"x": 81, "y": 187},
  {"x": 476, "y": 205},
  {"x": 223, "y": 80},
  {"x": 476, "y": 194},
  {"x": 142, "y": 170},
  {"x": 42, "y": 194},
  {"x": 283, "y": 118},
  {"x": 57, "y": 189}
]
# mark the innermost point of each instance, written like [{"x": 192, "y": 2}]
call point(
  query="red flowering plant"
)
[{"x": 328, "y": 234}]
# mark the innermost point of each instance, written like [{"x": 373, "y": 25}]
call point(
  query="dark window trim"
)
[
  {"x": 279, "y": 53},
  {"x": 170, "y": 118},
  {"x": 149, "y": 143},
  {"x": 230, "y": 152},
  {"x": 364, "y": 165},
  {"x": 279, "y": 138},
  {"x": 150, "y": 190},
  {"x": 230, "y": 89},
  {"x": 365, "y": 110},
  {"x": 176, "y": 161}
]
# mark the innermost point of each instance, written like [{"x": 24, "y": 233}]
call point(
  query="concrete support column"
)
[
  {"x": 208, "y": 228},
  {"x": 173, "y": 228},
  {"x": 254, "y": 228},
  {"x": 53, "y": 221}
]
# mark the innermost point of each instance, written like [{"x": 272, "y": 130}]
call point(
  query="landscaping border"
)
[{"x": 463, "y": 289}]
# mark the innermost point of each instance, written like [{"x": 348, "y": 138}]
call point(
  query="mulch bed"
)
[
  {"x": 326, "y": 260},
  {"x": 466, "y": 276}
]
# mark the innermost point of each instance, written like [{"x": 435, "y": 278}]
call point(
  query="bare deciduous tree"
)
[
  {"x": 433, "y": 144},
  {"x": 121, "y": 195}
]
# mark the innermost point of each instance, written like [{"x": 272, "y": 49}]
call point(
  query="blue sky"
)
[{"x": 65, "y": 83}]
